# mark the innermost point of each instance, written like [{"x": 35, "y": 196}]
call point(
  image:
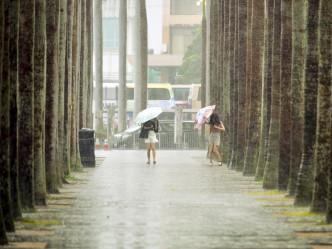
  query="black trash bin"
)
[{"x": 86, "y": 142}]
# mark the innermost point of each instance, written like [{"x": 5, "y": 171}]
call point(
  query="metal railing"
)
[{"x": 190, "y": 140}]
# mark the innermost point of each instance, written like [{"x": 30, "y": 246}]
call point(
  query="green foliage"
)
[
  {"x": 191, "y": 66},
  {"x": 27, "y": 209}
]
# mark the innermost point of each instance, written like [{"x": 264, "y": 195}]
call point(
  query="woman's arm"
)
[{"x": 222, "y": 127}]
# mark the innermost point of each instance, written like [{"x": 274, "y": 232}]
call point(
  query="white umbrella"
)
[
  {"x": 202, "y": 115},
  {"x": 148, "y": 114}
]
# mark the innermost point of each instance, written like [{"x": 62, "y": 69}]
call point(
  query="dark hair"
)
[{"x": 214, "y": 119}]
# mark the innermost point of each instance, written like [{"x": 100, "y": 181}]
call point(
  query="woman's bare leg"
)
[
  {"x": 210, "y": 152},
  {"x": 215, "y": 149},
  {"x": 153, "y": 147},
  {"x": 148, "y": 149}
]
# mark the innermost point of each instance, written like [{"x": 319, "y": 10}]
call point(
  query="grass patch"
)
[
  {"x": 28, "y": 210},
  {"x": 28, "y": 221},
  {"x": 267, "y": 193},
  {"x": 278, "y": 206},
  {"x": 76, "y": 167},
  {"x": 71, "y": 178},
  {"x": 300, "y": 213}
]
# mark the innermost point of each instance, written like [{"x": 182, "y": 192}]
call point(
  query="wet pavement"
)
[{"x": 180, "y": 202}]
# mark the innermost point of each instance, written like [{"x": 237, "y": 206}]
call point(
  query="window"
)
[
  {"x": 130, "y": 93},
  {"x": 181, "y": 38},
  {"x": 185, "y": 7},
  {"x": 158, "y": 94},
  {"x": 110, "y": 32},
  {"x": 181, "y": 93}
]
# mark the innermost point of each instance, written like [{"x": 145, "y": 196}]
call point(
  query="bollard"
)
[{"x": 86, "y": 143}]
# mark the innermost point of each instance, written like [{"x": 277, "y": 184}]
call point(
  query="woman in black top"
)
[{"x": 148, "y": 132}]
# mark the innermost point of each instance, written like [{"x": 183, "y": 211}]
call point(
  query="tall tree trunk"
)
[
  {"x": 89, "y": 72},
  {"x": 233, "y": 93},
  {"x": 242, "y": 84},
  {"x": 82, "y": 82},
  {"x": 255, "y": 87},
  {"x": 25, "y": 122},
  {"x": 297, "y": 91},
  {"x": 122, "y": 106},
  {"x": 248, "y": 74},
  {"x": 68, "y": 87},
  {"x": 223, "y": 90},
  {"x": 6, "y": 202},
  {"x": 304, "y": 188},
  {"x": 270, "y": 180},
  {"x": 52, "y": 91},
  {"x": 39, "y": 98},
  {"x": 98, "y": 52},
  {"x": 266, "y": 105},
  {"x": 203, "y": 72},
  {"x": 323, "y": 148},
  {"x": 141, "y": 59},
  {"x": 61, "y": 98},
  {"x": 13, "y": 46},
  {"x": 3, "y": 236},
  {"x": 285, "y": 89}
]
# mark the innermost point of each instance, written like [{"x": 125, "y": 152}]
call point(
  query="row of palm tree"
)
[
  {"x": 46, "y": 97},
  {"x": 270, "y": 77}
]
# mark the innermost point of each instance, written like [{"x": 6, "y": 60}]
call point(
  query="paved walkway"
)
[{"x": 180, "y": 202}]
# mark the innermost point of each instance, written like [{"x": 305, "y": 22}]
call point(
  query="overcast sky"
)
[{"x": 154, "y": 16}]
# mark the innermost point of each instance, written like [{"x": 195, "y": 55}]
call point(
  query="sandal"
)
[
  {"x": 210, "y": 163},
  {"x": 148, "y": 162},
  {"x": 154, "y": 162},
  {"x": 220, "y": 163}
]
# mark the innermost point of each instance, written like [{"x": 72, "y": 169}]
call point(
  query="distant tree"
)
[
  {"x": 322, "y": 159},
  {"x": 25, "y": 121},
  {"x": 192, "y": 60},
  {"x": 122, "y": 107},
  {"x": 39, "y": 98},
  {"x": 297, "y": 91},
  {"x": 270, "y": 180},
  {"x": 304, "y": 188}
]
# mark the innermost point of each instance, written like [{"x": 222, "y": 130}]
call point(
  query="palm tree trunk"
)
[
  {"x": 122, "y": 106},
  {"x": 61, "y": 106},
  {"x": 39, "y": 98},
  {"x": 323, "y": 160},
  {"x": 6, "y": 202},
  {"x": 233, "y": 92},
  {"x": 297, "y": 92},
  {"x": 82, "y": 82},
  {"x": 52, "y": 91},
  {"x": 13, "y": 46},
  {"x": 89, "y": 65},
  {"x": 255, "y": 87},
  {"x": 25, "y": 119},
  {"x": 270, "y": 180},
  {"x": 304, "y": 188},
  {"x": 242, "y": 85},
  {"x": 266, "y": 106},
  {"x": 285, "y": 89},
  {"x": 98, "y": 47},
  {"x": 68, "y": 87}
]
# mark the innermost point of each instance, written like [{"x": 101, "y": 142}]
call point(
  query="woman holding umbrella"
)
[
  {"x": 214, "y": 139},
  {"x": 148, "y": 132}
]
